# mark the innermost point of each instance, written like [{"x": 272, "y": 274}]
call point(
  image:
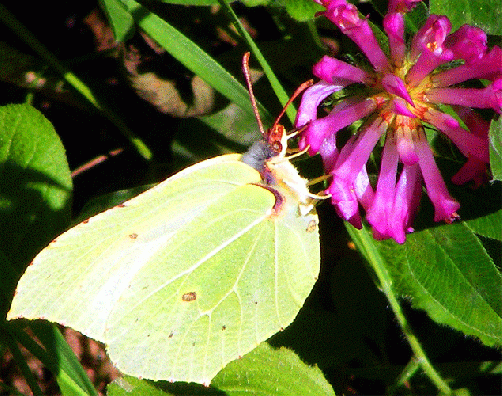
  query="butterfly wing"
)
[{"x": 182, "y": 279}]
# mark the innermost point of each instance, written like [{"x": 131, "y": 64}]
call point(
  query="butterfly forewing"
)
[{"x": 193, "y": 273}]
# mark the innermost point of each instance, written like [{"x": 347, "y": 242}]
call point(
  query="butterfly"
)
[{"x": 191, "y": 274}]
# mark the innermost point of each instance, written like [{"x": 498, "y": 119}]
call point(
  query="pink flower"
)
[{"x": 393, "y": 100}]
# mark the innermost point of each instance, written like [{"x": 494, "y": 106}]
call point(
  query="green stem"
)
[
  {"x": 315, "y": 35},
  {"x": 375, "y": 260},
  {"x": 274, "y": 81},
  {"x": 15, "y": 25},
  {"x": 408, "y": 372}
]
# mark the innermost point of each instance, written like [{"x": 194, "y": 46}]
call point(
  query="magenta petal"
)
[
  {"x": 395, "y": 86},
  {"x": 363, "y": 189},
  {"x": 489, "y": 97},
  {"x": 350, "y": 188},
  {"x": 444, "y": 205},
  {"x": 399, "y": 107},
  {"x": 494, "y": 66},
  {"x": 468, "y": 143},
  {"x": 473, "y": 170},
  {"x": 346, "y": 17},
  {"x": 406, "y": 201},
  {"x": 473, "y": 120},
  {"x": 303, "y": 144},
  {"x": 329, "y": 152},
  {"x": 381, "y": 209},
  {"x": 456, "y": 75},
  {"x": 431, "y": 36},
  {"x": 330, "y": 4},
  {"x": 427, "y": 50},
  {"x": 356, "y": 221},
  {"x": 346, "y": 195},
  {"x": 406, "y": 148},
  {"x": 488, "y": 67},
  {"x": 427, "y": 62},
  {"x": 345, "y": 201},
  {"x": 316, "y": 132},
  {"x": 319, "y": 129},
  {"x": 311, "y": 99},
  {"x": 468, "y": 43},
  {"x": 353, "y": 157},
  {"x": 394, "y": 27},
  {"x": 339, "y": 73}
]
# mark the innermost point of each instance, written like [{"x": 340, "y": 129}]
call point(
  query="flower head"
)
[{"x": 401, "y": 91}]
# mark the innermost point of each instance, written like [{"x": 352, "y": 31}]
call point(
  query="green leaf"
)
[
  {"x": 35, "y": 189},
  {"x": 487, "y": 226},
  {"x": 132, "y": 386},
  {"x": 263, "y": 371},
  {"x": 416, "y": 18},
  {"x": 496, "y": 149},
  {"x": 485, "y": 14},
  {"x": 448, "y": 273},
  {"x": 269, "y": 371},
  {"x": 248, "y": 3},
  {"x": 192, "y": 273},
  {"x": 254, "y": 3},
  {"x": 301, "y": 10},
  {"x": 191, "y": 2},
  {"x": 121, "y": 21},
  {"x": 445, "y": 271}
]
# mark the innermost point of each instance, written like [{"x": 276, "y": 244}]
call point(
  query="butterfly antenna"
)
[
  {"x": 298, "y": 91},
  {"x": 245, "y": 69}
]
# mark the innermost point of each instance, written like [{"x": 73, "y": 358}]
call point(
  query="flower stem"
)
[
  {"x": 408, "y": 372},
  {"x": 368, "y": 247}
]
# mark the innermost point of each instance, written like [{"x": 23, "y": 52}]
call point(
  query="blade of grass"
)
[
  {"x": 29, "y": 38},
  {"x": 72, "y": 372},
  {"x": 274, "y": 82},
  {"x": 57, "y": 357},
  {"x": 192, "y": 56},
  {"x": 11, "y": 343}
]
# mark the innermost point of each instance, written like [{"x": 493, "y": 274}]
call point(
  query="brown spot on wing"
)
[{"x": 190, "y": 296}]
